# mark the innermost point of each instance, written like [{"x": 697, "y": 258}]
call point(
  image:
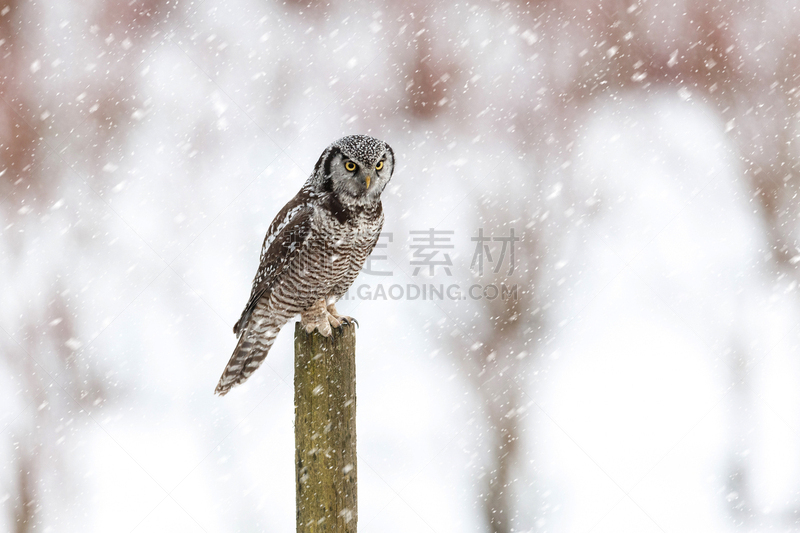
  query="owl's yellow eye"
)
[
  {"x": 350, "y": 166},
  {"x": 379, "y": 165}
]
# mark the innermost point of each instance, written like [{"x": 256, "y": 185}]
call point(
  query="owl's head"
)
[{"x": 356, "y": 168}]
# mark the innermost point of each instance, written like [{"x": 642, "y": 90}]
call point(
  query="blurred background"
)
[{"x": 646, "y": 377}]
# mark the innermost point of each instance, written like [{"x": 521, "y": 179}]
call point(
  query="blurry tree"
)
[
  {"x": 741, "y": 59},
  {"x": 44, "y": 102}
]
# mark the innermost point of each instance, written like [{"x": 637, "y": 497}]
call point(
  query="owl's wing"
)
[{"x": 284, "y": 239}]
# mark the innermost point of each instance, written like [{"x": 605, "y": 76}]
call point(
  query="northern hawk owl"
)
[{"x": 314, "y": 250}]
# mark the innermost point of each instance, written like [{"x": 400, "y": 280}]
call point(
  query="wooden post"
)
[{"x": 325, "y": 430}]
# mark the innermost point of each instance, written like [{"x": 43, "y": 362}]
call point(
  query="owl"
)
[{"x": 314, "y": 250}]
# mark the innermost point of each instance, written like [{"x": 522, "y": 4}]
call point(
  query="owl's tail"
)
[{"x": 251, "y": 350}]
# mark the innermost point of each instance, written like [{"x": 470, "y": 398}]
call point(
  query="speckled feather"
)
[
  {"x": 314, "y": 248},
  {"x": 362, "y": 148}
]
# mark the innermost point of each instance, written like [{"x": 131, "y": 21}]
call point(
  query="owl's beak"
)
[{"x": 367, "y": 179}]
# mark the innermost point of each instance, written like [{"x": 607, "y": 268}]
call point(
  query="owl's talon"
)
[
  {"x": 317, "y": 317},
  {"x": 344, "y": 319},
  {"x": 325, "y": 330},
  {"x": 334, "y": 321}
]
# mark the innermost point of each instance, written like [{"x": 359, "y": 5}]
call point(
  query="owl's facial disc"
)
[
  {"x": 359, "y": 173},
  {"x": 358, "y": 170}
]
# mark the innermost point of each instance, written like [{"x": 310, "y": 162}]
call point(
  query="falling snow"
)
[{"x": 642, "y": 377}]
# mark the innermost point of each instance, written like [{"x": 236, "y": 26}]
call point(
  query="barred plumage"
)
[{"x": 314, "y": 250}]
